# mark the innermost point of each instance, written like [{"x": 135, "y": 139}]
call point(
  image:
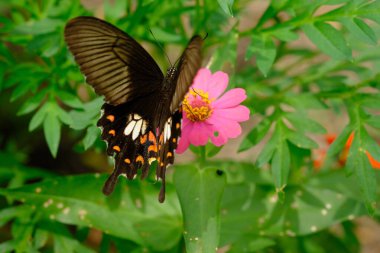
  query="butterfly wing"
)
[
  {"x": 189, "y": 63},
  {"x": 113, "y": 62}
]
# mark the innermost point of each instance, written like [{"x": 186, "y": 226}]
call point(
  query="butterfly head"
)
[{"x": 171, "y": 72}]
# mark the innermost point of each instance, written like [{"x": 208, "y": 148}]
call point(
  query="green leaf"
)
[
  {"x": 81, "y": 119},
  {"x": 305, "y": 101},
  {"x": 226, "y": 6},
  {"x": 301, "y": 141},
  {"x": 226, "y": 52},
  {"x": 370, "y": 10},
  {"x": 40, "y": 238},
  {"x": 360, "y": 30},
  {"x": 281, "y": 165},
  {"x": 269, "y": 148},
  {"x": 285, "y": 34},
  {"x": 52, "y": 132},
  {"x": 38, "y": 117},
  {"x": 78, "y": 200},
  {"x": 166, "y": 36},
  {"x": 115, "y": 9},
  {"x": 32, "y": 103},
  {"x": 200, "y": 191},
  {"x": 63, "y": 116},
  {"x": 358, "y": 162},
  {"x": 302, "y": 123},
  {"x": 39, "y": 27},
  {"x": 256, "y": 134},
  {"x": 339, "y": 143},
  {"x": 328, "y": 39},
  {"x": 70, "y": 99},
  {"x": 265, "y": 51},
  {"x": 374, "y": 121},
  {"x": 92, "y": 133}
]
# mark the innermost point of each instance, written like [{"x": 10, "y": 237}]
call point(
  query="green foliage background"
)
[{"x": 280, "y": 203}]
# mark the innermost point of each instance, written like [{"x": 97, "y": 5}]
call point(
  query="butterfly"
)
[{"x": 142, "y": 114}]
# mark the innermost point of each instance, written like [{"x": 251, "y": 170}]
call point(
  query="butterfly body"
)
[{"x": 141, "y": 120}]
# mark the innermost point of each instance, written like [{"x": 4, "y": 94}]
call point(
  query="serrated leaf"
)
[
  {"x": 285, "y": 34},
  {"x": 63, "y": 116},
  {"x": 339, "y": 143},
  {"x": 40, "y": 238},
  {"x": 32, "y": 103},
  {"x": 264, "y": 50},
  {"x": 302, "y": 123},
  {"x": 21, "y": 89},
  {"x": 226, "y": 6},
  {"x": 360, "y": 30},
  {"x": 256, "y": 134},
  {"x": 52, "y": 132},
  {"x": 166, "y": 36},
  {"x": 92, "y": 133},
  {"x": 38, "y": 117},
  {"x": 305, "y": 101},
  {"x": 267, "y": 152},
  {"x": 70, "y": 99},
  {"x": 200, "y": 192},
  {"x": 328, "y": 39},
  {"x": 280, "y": 165},
  {"x": 374, "y": 121},
  {"x": 225, "y": 53},
  {"x": 370, "y": 11},
  {"x": 301, "y": 141},
  {"x": 358, "y": 162}
]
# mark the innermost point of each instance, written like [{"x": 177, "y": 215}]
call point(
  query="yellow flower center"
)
[{"x": 197, "y": 105}]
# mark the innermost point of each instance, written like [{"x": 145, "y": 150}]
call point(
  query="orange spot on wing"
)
[
  {"x": 111, "y": 118},
  {"x": 162, "y": 164},
  {"x": 152, "y": 137},
  {"x": 152, "y": 147},
  {"x": 174, "y": 140},
  {"x": 143, "y": 139},
  {"x": 140, "y": 158},
  {"x": 112, "y": 132},
  {"x": 178, "y": 125},
  {"x": 169, "y": 154},
  {"x": 116, "y": 148},
  {"x": 127, "y": 161}
]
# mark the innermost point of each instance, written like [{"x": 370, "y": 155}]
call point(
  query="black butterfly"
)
[{"x": 141, "y": 120}]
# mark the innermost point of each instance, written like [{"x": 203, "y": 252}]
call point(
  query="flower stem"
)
[{"x": 202, "y": 154}]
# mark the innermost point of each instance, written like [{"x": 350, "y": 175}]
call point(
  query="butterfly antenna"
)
[
  {"x": 198, "y": 93},
  {"x": 159, "y": 44}
]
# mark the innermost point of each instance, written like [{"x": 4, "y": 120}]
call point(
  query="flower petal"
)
[
  {"x": 217, "y": 84},
  {"x": 184, "y": 141},
  {"x": 231, "y": 98},
  {"x": 200, "y": 133},
  {"x": 225, "y": 127},
  {"x": 238, "y": 113},
  {"x": 201, "y": 79}
]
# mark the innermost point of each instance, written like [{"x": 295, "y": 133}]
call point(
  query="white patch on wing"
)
[
  {"x": 144, "y": 126},
  {"x": 137, "y": 129},
  {"x": 136, "y": 116},
  {"x": 167, "y": 130},
  {"x": 128, "y": 129}
]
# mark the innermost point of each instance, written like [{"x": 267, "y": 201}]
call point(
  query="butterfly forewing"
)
[
  {"x": 141, "y": 120},
  {"x": 188, "y": 65},
  {"x": 113, "y": 62}
]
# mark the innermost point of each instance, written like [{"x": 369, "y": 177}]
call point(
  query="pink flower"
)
[{"x": 207, "y": 114}]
